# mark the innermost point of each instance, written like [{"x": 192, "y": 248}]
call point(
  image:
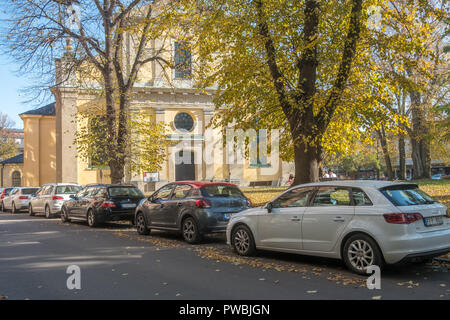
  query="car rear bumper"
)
[
  {"x": 109, "y": 215},
  {"x": 427, "y": 244},
  {"x": 425, "y": 255}
]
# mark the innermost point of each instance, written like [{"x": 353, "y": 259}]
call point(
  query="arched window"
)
[{"x": 16, "y": 179}]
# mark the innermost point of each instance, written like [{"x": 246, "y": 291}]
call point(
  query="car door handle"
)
[
  {"x": 295, "y": 218},
  {"x": 339, "y": 219}
]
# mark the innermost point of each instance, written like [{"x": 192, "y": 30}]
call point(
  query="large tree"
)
[
  {"x": 37, "y": 34},
  {"x": 409, "y": 49},
  {"x": 8, "y": 146},
  {"x": 286, "y": 63}
]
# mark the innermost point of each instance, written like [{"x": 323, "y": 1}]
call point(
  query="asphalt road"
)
[{"x": 116, "y": 263}]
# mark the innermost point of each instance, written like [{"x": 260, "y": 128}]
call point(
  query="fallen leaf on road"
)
[
  {"x": 311, "y": 291},
  {"x": 376, "y": 297},
  {"x": 262, "y": 279}
]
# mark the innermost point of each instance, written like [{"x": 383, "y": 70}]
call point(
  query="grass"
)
[{"x": 438, "y": 189}]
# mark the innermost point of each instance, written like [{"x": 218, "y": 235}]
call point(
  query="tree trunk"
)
[
  {"x": 402, "y": 157},
  {"x": 419, "y": 139},
  {"x": 307, "y": 163},
  {"x": 387, "y": 159}
]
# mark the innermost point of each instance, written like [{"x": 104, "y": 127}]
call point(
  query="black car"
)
[
  {"x": 192, "y": 208},
  {"x": 100, "y": 203}
]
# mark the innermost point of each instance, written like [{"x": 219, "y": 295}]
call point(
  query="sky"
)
[{"x": 11, "y": 101}]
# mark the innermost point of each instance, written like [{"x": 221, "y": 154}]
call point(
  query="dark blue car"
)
[
  {"x": 190, "y": 207},
  {"x": 100, "y": 203}
]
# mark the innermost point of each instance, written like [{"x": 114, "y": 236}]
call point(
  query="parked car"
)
[
  {"x": 192, "y": 208},
  {"x": 437, "y": 176},
  {"x": 4, "y": 192},
  {"x": 18, "y": 199},
  {"x": 363, "y": 223},
  {"x": 100, "y": 203},
  {"x": 50, "y": 198}
]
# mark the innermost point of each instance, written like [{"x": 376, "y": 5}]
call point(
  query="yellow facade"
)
[{"x": 39, "y": 150}]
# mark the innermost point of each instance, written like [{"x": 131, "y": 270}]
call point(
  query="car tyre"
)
[
  {"x": 141, "y": 225},
  {"x": 30, "y": 210},
  {"x": 92, "y": 219},
  {"x": 48, "y": 213},
  {"x": 243, "y": 241},
  {"x": 3, "y": 207},
  {"x": 189, "y": 230},
  {"x": 64, "y": 215},
  {"x": 361, "y": 251},
  {"x": 14, "y": 209}
]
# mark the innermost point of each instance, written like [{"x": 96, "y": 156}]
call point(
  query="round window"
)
[{"x": 183, "y": 122}]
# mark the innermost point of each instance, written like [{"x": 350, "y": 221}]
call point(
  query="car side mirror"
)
[
  {"x": 269, "y": 207},
  {"x": 72, "y": 196}
]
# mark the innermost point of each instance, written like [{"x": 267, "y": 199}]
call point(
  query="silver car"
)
[
  {"x": 363, "y": 223},
  {"x": 50, "y": 198},
  {"x": 18, "y": 199}
]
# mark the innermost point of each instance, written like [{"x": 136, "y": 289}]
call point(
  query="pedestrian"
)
[
  {"x": 326, "y": 175},
  {"x": 332, "y": 175},
  {"x": 290, "y": 180}
]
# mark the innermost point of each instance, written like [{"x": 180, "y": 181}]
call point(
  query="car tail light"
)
[
  {"x": 203, "y": 203},
  {"x": 108, "y": 204},
  {"x": 23, "y": 197},
  {"x": 249, "y": 203},
  {"x": 57, "y": 198},
  {"x": 402, "y": 218}
]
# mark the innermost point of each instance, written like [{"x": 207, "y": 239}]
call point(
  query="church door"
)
[{"x": 185, "y": 171}]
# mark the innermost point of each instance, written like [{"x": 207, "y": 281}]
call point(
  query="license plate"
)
[
  {"x": 433, "y": 221},
  {"x": 128, "y": 205}
]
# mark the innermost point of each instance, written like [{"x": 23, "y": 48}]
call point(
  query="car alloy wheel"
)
[
  {"x": 30, "y": 210},
  {"x": 361, "y": 252},
  {"x": 243, "y": 241},
  {"x": 141, "y": 225},
  {"x": 92, "y": 221},
  {"x": 48, "y": 214},
  {"x": 190, "y": 231}
]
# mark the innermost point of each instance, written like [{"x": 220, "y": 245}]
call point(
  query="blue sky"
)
[{"x": 11, "y": 97}]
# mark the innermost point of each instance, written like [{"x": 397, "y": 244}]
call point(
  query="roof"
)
[
  {"x": 48, "y": 110},
  {"x": 357, "y": 183},
  {"x": 199, "y": 184},
  {"x": 15, "y": 159}
]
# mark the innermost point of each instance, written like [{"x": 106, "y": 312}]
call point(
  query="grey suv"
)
[{"x": 50, "y": 198}]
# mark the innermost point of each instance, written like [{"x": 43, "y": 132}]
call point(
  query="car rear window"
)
[
  {"x": 220, "y": 190},
  {"x": 29, "y": 191},
  {"x": 409, "y": 195},
  {"x": 67, "y": 189},
  {"x": 125, "y": 192}
]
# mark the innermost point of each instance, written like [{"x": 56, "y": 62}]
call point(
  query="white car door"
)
[
  {"x": 324, "y": 221},
  {"x": 281, "y": 227}
]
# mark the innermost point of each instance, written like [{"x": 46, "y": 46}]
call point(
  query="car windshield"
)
[
  {"x": 125, "y": 192},
  {"x": 67, "y": 189},
  {"x": 29, "y": 191},
  {"x": 218, "y": 190},
  {"x": 407, "y": 196}
]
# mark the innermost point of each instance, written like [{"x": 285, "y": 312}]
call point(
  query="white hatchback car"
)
[
  {"x": 18, "y": 199},
  {"x": 361, "y": 222}
]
